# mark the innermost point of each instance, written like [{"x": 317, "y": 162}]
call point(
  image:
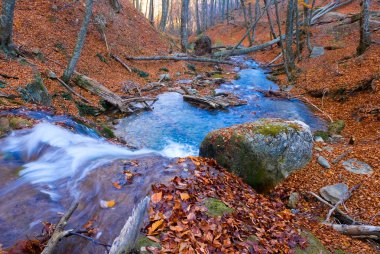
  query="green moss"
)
[
  {"x": 18, "y": 123},
  {"x": 101, "y": 58},
  {"x": 336, "y": 127},
  {"x": 85, "y": 110},
  {"x": 215, "y": 207},
  {"x": 314, "y": 245},
  {"x": 66, "y": 96},
  {"x": 191, "y": 67},
  {"x": 107, "y": 132},
  {"x": 237, "y": 76},
  {"x": 164, "y": 69},
  {"x": 141, "y": 73},
  {"x": 323, "y": 134},
  {"x": 2, "y": 84},
  {"x": 217, "y": 75},
  {"x": 35, "y": 92},
  {"x": 144, "y": 241},
  {"x": 271, "y": 129}
]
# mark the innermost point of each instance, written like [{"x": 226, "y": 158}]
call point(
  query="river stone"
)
[
  {"x": 357, "y": 167},
  {"x": 263, "y": 152},
  {"x": 334, "y": 193},
  {"x": 323, "y": 162},
  {"x": 317, "y": 51}
]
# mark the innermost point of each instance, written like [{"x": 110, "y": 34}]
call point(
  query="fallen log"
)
[
  {"x": 117, "y": 59},
  {"x": 7, "y": 96},
  {"x": 357, "y": 230},
  {"x": 176, "y": 58},
  {"x": 60, "y": 231},
  {"x": 203, "y": 101},
  {"x": 95, "y": 87},
  {"x": 235, "y": 52}
]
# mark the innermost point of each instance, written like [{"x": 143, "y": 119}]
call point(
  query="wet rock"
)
[
  {"x": 202, "y": 46},
  {"x": 4, "y": 125},
  {"x": 334, "y": 193},
  {"x": 165, "y": 77},
  {"x": 51, "y": 74},
  {"x": 263, "y": 152},
  {"x": 317, "y": 51},
  {"x": 357, "y": 167},
  {"x": 323, "y": 162},
  {"x": 335, "y": 138},
  {"x": 318, "y": 139},
  {"x": 328, "y": 149},
  {"x": 293, "y": 200}
]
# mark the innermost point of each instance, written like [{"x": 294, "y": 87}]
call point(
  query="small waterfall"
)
[{"x": 125, "y": 242}]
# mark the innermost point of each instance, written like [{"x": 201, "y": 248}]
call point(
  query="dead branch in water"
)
[
  {"x": 60, "y": 231},
  {"x": 177, "y": 58}
]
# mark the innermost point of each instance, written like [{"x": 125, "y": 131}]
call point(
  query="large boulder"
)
[
  {"x": 263, "y": 152},
  {"x": 202, "y": 46}
]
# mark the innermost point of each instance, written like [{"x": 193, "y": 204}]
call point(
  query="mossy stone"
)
[
  {"x": 142, "y": 242},
  {"x": 36, "y": 92},
  {"x": 215, "y": 207},
  {"x": 19, "y": 123},
  {"x": 314, "y": 245}
]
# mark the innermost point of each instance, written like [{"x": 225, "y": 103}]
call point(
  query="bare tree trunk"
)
[
  {"x": 80, "y": 43},
  {"x": 281, "y": 41},
  {"x": 246, "y": 20},
  {"x": 289, "y": 35},
  {"x": 164, "y": 15},
  {"x": 257, "y": 15},
  {"x": 298, "y": 45},
  {"x": 204, "y": 15},
  {"x": 151, "y": 12},
  {"x": 228, "y": 11},
  {"x": 197, "y": 21},
  {"x": 268, "y": 4},
  {"x": 212, "y": 12},
  {"x": 116, "y": 5},
  {"x": 6, "y": 26},
  {"x": 184, "y": 21},
  {"x": 365, "y": 34}
]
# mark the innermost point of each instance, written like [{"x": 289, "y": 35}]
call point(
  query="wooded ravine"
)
[{"x": 190, "y": 126}]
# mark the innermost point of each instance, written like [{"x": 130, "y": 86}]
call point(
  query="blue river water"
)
[{"x": 177, "y": 124}]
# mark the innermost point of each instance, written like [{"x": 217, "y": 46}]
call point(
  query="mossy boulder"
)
[
  {"x": 263, "y": 152},
  {"x": 36, "y": 92},
  {"x": 19, "y": 123},
  {"x": 314, "y": 245}
]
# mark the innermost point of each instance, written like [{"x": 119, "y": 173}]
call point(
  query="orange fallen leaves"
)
[
  {"x": 156, "y": 197},
  {"x": 155, "y": 226},
  {"x": 184, "y": 196},
  {"x": 107, "y": 204}
]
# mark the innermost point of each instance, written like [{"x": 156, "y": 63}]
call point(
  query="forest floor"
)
[{"x": 47, "y": 31}]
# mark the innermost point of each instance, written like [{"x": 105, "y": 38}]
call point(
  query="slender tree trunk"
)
[
  {"x": 282, "y": 42},
  {"x": 80, "y": 43},
  {"x": 197, "y": 21},
  {"x": 365, "y": 34},
  {"x": 257, "y": 15},
  {"x": 272, "y": 32},
  {"x": 164, "y": 14},
  {"x": 151, "y": 12},
  {"x": 298, "y": 43},
  {"x": 228, "y": 11},
  {"x": 6, "y": 26},
  {"x": 223, "y": 9},
  {"x": 246, "y": 21},
  {"x": 212, "y": 12},
  {"x": 204, "y": 15},
  {"x": 184, "y": 21},
  {"x": 289, "y": 35},
  {"x": 116, "y": 5}
]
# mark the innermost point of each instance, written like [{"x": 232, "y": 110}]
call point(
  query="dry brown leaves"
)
[{"x": 179, "y": 222}]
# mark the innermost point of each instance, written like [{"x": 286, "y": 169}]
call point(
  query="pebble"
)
[
  {"x": 334, "y": 193},
  {"x": 323, "y": 162},
  {"x": 357, "y": 167},
  {"x": 318, "y": 139}
]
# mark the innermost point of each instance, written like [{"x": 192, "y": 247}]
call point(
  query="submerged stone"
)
[{"x": 263, "y": 152}]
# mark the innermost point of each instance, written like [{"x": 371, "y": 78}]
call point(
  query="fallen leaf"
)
[
  {"x": 116, "y": 185},
  {"x": 107, "y": 204},
  {"x": 156, "y": 197},
  {"x": 155, "y": 226},
  {"x": 184, "y": 196}
]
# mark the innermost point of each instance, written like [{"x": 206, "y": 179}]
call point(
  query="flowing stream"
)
[{"x": 44, "y": 168}]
